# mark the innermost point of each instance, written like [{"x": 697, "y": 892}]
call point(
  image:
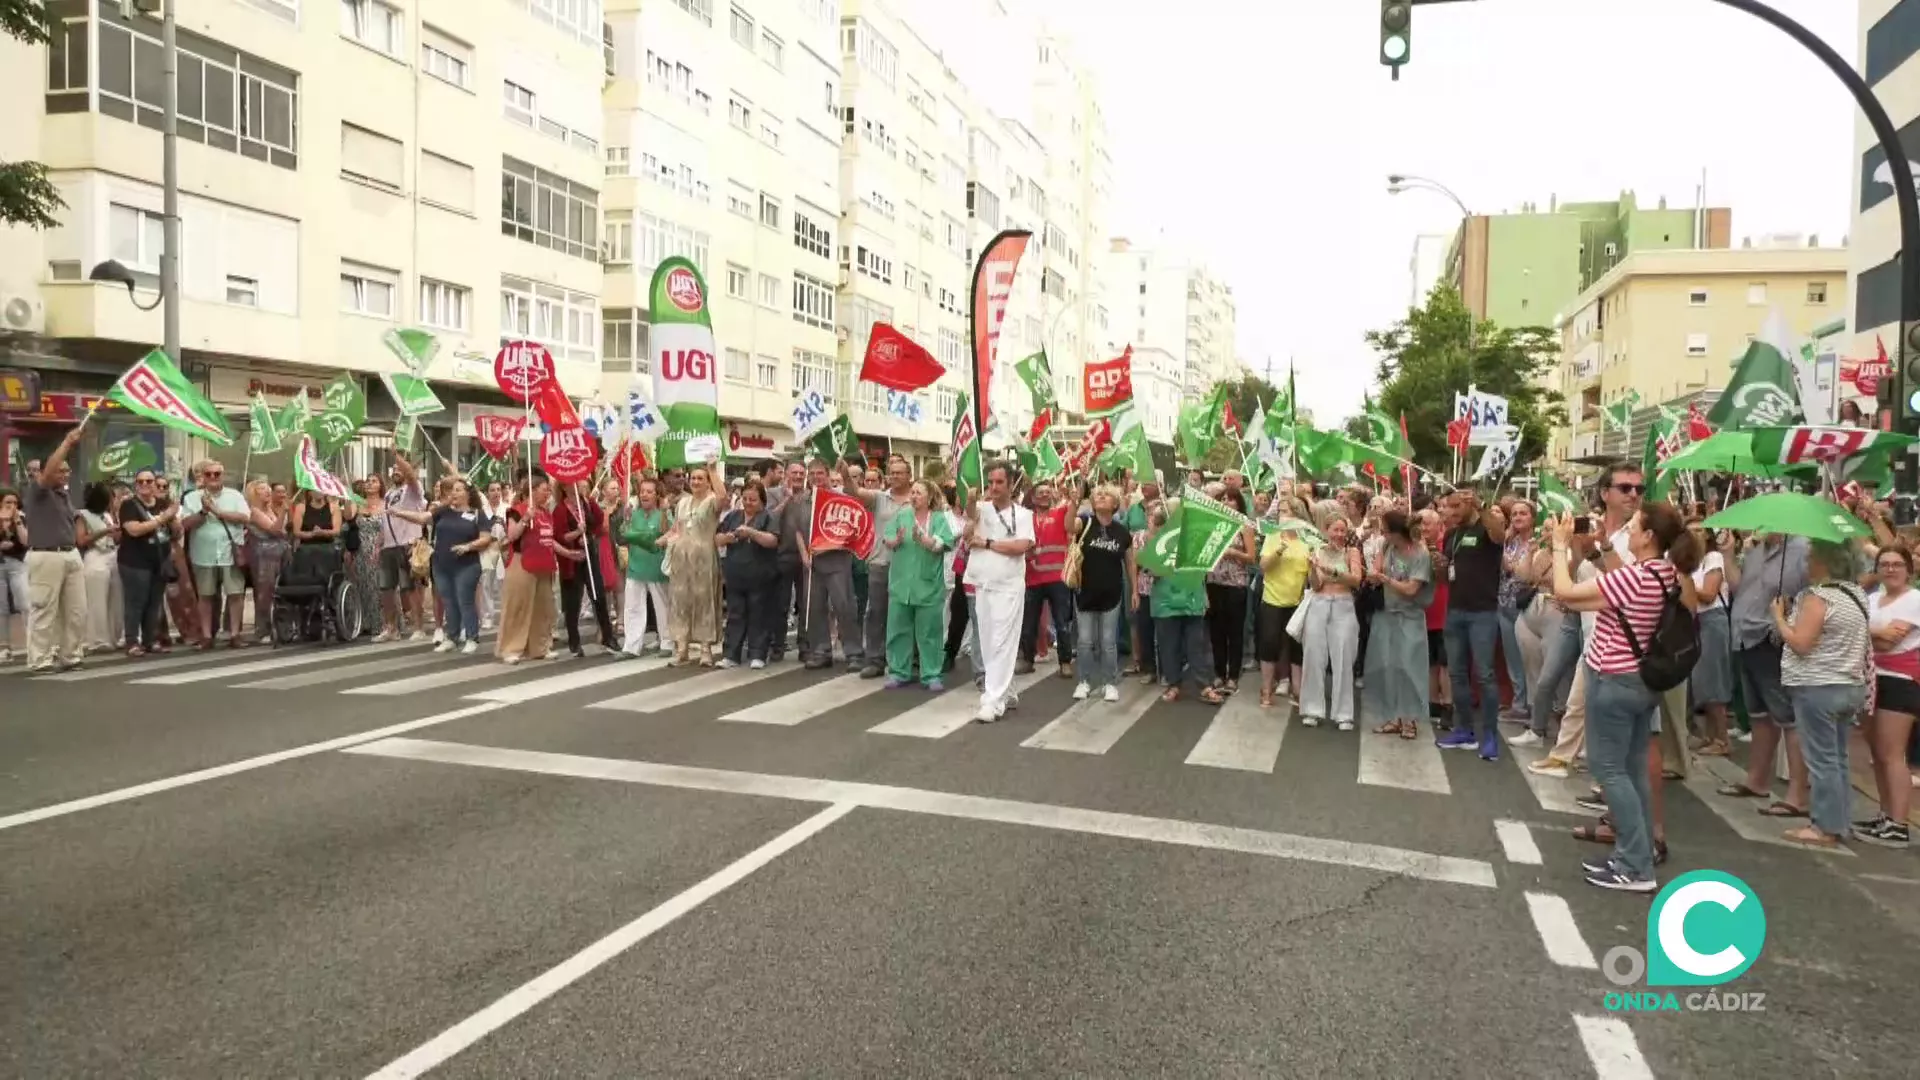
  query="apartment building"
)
[
  {"x": 1164, "y": 299},
  {"x": 723, "y": 142},
  {"x": 1669, "y": 326},
  {"x": 338, "y": 164},
  {"x": 1426, "y": 267},
  {"x": 1890, "y": 63}
]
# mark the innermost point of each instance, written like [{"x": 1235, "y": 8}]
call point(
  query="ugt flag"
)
[
  {"x": 155, "y": 389},
  {"x": 897, "y": 362},
  {"x": 840, "y": 523},
  {"x": 686, "y": 383}
]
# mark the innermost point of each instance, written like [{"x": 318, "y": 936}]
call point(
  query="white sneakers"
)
[
  {"x": 1111, "y": 693},
  {"x": 385, "y": 636},
  {"x": 1525, "y": 738},
  {"x": 726, "y": 663},
  {"x": 757, "y": 665},
  {"x": 419, "y": 635},
  {"x": 439, "y": 635},
  {"x": 1080, "y": 692},
  {"x": 469, "y": 648},
  {"x": 444, "y": 646}
]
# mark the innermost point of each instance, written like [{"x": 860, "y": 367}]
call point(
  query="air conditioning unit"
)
[{"x": 22, "y": 313}]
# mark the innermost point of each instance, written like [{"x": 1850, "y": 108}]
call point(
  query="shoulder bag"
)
[{"x": 1070, "y": 570}]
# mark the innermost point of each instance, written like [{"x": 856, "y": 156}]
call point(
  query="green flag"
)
[
  {"x": 1130, "y": 449},
  {"x": 412, "y": 395},
  {"x": 1619, "y": 415},
  {"x": 1041, "y": 460},
  {"x": 1160, "y": 557},
  {"x": 1555, "y": 498},
  {"x": 405, "y": 432},
  {"x": 1383, "y": 432},
  {"x": 1038, "y": 375},
  {"x": 123, "y": 458},
  {"x": 415, "y": 348},
  {"x": 343, "y": 412},
  {"x": 263, "y": 437},
  {"x": 1844, "y": 446},
  {"x": 835, "y": 441},
  {"x": 1763, "y": 392},
  {"x": 1208, "y": 528},
  {"x": 686, "y": 386},
  {"x": 293, "y": 416},
  {"x": 310, "y": 475},
  {"x": 964, "y": 450},
  {"x": 155, "y": 388},
  {"x": 1195, "y": 433},
  {"x": 1665, "y": 438}
]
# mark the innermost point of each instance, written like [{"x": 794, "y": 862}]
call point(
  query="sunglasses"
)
[
  {"x": 212, "y": 474},
  {"x": 1630, "y": 489},
  {"x": 143, "y": 479}
]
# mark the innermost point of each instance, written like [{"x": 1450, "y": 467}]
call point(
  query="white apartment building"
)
[
  {"x": 1425, "y": 268},
  {"x": 1164, "y": 300},
  {"x": 723, "y": 139},
  {"x": 1890, "y": 63},
  {"x": 338, "y": 164}
]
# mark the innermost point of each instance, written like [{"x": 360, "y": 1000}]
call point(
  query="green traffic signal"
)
[{"x": 1396, "y": 32}]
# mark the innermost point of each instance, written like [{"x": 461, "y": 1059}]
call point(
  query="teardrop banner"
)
[
  {"x": 523, "y": 370},
  {"x": 569, "y": 454}
]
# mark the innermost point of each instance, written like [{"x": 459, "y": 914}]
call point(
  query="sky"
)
[{"x": 1258, "y": 137}]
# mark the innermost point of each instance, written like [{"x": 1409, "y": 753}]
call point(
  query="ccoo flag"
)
[
  {"x": 155, "y": 389},
  {"x": 686, "y": 387}
]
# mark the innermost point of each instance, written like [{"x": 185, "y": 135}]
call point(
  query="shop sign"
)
[
  {"x": 69, "y": 408},
  {"x": 19, "y": 391},
  {"x": 738, "y": 440}
]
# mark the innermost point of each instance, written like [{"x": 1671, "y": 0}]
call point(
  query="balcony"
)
[{"x": 88, "y": 309}]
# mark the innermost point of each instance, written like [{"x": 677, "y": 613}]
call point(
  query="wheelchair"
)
[{"x": 316, "y": 598}]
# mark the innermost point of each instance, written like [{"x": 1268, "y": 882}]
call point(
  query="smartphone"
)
[{"x": 1582, "y": 525}]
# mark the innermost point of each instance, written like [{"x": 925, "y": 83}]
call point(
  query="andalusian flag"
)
[
  {"x": 1038, "y": 375},
  {"x": 262, "y": 436},
  {"x": 155, "y": 389}
]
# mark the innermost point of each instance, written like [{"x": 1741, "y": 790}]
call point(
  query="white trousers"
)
[
  {"x": 634, "y": 609},
  {"x": 105, "y": 609},
  {"x": 998, "y": 615},
  {"x": 1332, "y": 638}
]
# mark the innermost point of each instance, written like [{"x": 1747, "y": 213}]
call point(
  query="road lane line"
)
[
  {"x": 577, "y": 679},
  {"x": 1553, "y": 921},
  {"x": 1408, "y": 764},
  {"x": 686, "y": 691},
  {"x": 127, "y": 667},
  {"x": 803, "y": 705},
  {"x": 275, "y": 663},
  {"x": 1611, "y": 1047},
  {"x": 341, "y": 674},
  {"x": 1242, "y": 736},
  {"x": 1516, "y": 839},
  {"x": 152, "y": 787},
  {"x": 946, "y": 713},
  {"x": 1416, "y": 864},
  {"x": 437, "y": 1050},
  {"x": 1093, "y": 726}
]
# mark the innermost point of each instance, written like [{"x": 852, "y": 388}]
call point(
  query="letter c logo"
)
[{"x": 1673, "y": 928}]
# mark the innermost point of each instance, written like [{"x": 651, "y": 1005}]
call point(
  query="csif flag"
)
[
  {"x": 992, "y": 288},
  {"x": 1555, "y": 499},
  {"x": 686, "y": 386},
  {"x": 1763, "y": 392},
  {"x": 262, "y": 436},
  {"x": 1208, "y": 527},
  {"x": 413, "y": 347},
  {"x": 834, "y": 442},
  {"x": 840, "y": 523},
  {"x": 1110, "y": 385},
  {"x": 1037, "y": 374},
  {"x": 155, "y": 388},
  {"x": 897, "y": 362}
]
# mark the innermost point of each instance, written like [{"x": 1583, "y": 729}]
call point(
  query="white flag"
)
[
  {"x": 643, "y": 423},
  {"x": 809, "y": 413},
  {"x": 1497, "y": 458}
]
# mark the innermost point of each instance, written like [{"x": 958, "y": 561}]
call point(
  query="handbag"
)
[
  {"x": 1297, "y": 626},
  {"x": 1070, "y": 570}
]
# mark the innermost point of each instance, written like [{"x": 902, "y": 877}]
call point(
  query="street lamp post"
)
[
  {"x": 111, "y": 270},
  {"x": 1398, "y": 183}
]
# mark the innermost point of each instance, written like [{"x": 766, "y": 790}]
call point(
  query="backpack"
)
[{"x": 1674, "y": 648}]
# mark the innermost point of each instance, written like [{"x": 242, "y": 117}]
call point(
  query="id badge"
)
[{"x": 1449, "y": 573}]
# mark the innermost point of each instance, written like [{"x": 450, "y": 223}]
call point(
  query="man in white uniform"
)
[{"x": 1000, "y": 534}]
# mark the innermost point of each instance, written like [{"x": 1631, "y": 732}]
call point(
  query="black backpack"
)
[{"x": 1675, "y": 646}]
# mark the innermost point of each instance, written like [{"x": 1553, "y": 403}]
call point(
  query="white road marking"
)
[
  {"x": 1741, "y": 815},
  {"x": 1408, "y": 764},
  {"x": 685, "y": 691},
  {"x": 948, "y": 712},
  {"x": 1093, "y": 726},
  {"x": 803, "y": 705},
  {"x": 1553, "y": 921},
  {"x": 1551, "y": 793},
  {"x": 120, "y": 668},
  {"x": 301, "y": 658},
  {"x": 577, "y": 678},
  {"x": 152, "y": 787},
  {"x": 1243, "y": 735},
  {"x": 1611, "y": 1047},
  {"x": 341, "y": 674},
  {"x": 440, "y": 1048},
  {"x": 1416, "y": 864},
  {"x": 1516, "y": 839}
]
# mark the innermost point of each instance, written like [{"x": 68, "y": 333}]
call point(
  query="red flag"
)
[
  {"x": 522, "y": 369},
  {"x": 896, "y": 362},
  {"x": 1040, "y": 425},
  {"x": 1110, "y": 384},
  {"x": 569, "y": 454},
  {"x": 992, "y": 287},
  {"x": 497, "y": 433},
  {"x": 1406, "y": 470},
  {"x": 1099, "y": 436},
  {"x": 1697, "y": 426},
  {"x": 1227, "y": 422},
  {"x": 551, "y": 405},
  {"x": 840, "y": 523},
  {"x": 629, "y": 458},
  {"x": 1458, "y": 433}
]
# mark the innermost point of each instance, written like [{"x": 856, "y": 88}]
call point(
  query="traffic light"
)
[
  {"x": 1907, "y": 381},
  {"x": 1396, "y": 33}
]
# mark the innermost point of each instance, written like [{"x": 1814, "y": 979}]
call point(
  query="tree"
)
[
  {"x": 1425, "y": 359},
  {"x": 1247, "y": 393},
  {"x": 27, "y": 197}
]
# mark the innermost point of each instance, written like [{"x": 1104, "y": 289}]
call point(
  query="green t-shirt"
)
[
  {"x": 914, "y": 574},
  {"x": 1136, "y": 518},
  {"x": 1179, "y": 594},
  {"x": 642, "y": 537}
]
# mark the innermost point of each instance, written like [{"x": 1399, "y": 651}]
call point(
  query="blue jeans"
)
[
  {"x": 458, "y": 588},
  {"x": 1183, "y": 650},
  {"x": 1824, "y": 717},
  {"x": 1620, "y": 711},
  {"x": 1470, "y": 636},
  {"x": 1516, "y": 665},
  {"x": 1099, "y": 634},
  {"x": 1059, "y": 604},
  {"x": 1556, "y": 672}
]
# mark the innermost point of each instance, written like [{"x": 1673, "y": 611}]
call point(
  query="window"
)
[
  {"x": 874, "y": 265},
  {"x": 367, "y": 290},
  {"x": 580, "y": 18},
  {"x": 699, "y": 9},
  {"x": 1697, "y": 297},
  {"x": 549, "y": 210},
  {"x": 445, "y": 182},
  {"x": 373, "y": 23},
  {"x": 766, "y": 372},
  {"x": 619, "y": 160},
  {"x": 135, "y": 237},
  {"x": 444, "y": 306},
  {"x": 769, "y": 211},
  {"x": 949, "y": 349},
  {"x": 770, "y": 130},
  {"x": 813, "y": 371},
  {"x": 518, "y": 102},
  {"x": 812, "y": 302},
  {"x": 737, "y": 278},
  {"x": 623, "y": 341},
  {"x": 371, "y": 158},
  {"x": 876, "y": 54},
  {"x": 252, "y": 112},
  {"x": 446, "y": 58},
  {"x": 1816, "y": 292},
  {"x": 734, "y": 364},
  {"x": 741, "y": 28},
  {"x": 740, "y": 199},
  {"x": 244, "y": 291},
  {"x": 740, "y": 113},
  {"x": 808, "y": 236},
  {"x": 773, "y": 50},
  {"x": 946, "y": 404},
  {"x": 616, "y": 245},
  {"x": 1757, "y": 294},
  {"x": 656, "y": 238},
  {"x": 769, "y": 291},
  {"x": 567, "y": 323},
  {"x": 1696, "y": 344}
]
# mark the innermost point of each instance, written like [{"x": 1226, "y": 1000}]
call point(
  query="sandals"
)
[
  {"x": 1715, "y": 748},
  {"x": 135, "y": 652},
  {"x": 1213, "y": 697},
  {"x": 1392, "y": 727},
  {"x": 1266, "y": 699},
  {"x": 1172, "y": 694},
  {"x": 1781, "y": 808},
  {"x": 1811, "y": 837},
  {"x": 1601, "y": 832},
  {"x": 1741, "y": 791}
]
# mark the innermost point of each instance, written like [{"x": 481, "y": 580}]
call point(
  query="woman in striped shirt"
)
[
  {"x": 1823, "y": 668},
  {"x": 1620, "y": 705}
]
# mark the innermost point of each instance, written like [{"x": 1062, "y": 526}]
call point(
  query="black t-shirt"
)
[
  {"x": 1474, "y": 575},
  {"x": 1103, "y": 564},
  {"x": 744, "y": 562},
  {"x": 141, "y": 552},
  {"x": 451, "y": 527}
]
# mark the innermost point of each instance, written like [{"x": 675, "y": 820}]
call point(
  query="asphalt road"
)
[{"x": 381, "y": 861}]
